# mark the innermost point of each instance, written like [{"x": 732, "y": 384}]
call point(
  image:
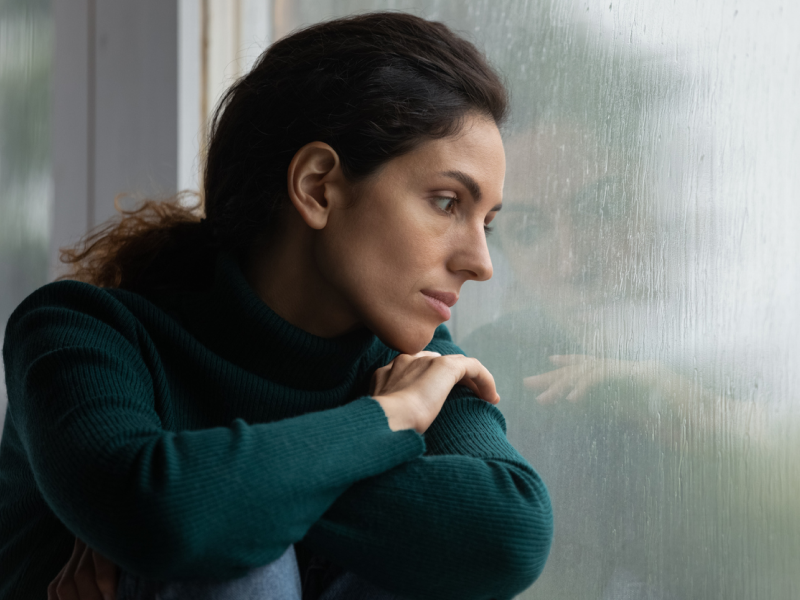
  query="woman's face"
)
[{"x": 415, "y": 233}]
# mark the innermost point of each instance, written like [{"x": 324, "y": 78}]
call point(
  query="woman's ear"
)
[{"x": 315, "y": 182}]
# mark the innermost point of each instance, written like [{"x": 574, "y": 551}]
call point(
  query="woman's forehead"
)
[{"x": 476, "y": 151}]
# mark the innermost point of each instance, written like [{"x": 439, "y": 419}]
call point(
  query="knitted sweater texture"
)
[{"x": 192, "y": 435}]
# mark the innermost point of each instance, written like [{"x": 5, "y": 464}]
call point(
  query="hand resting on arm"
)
[{"x": 411, "y": 389}]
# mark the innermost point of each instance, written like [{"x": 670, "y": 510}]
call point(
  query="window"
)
[
  {"x": 25, "y": 184},
  {"x": 641, "y": 322},
  {"x": 648, "y": 242}
]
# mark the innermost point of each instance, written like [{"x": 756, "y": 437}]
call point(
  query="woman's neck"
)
[{"x": 284, "y": 274}]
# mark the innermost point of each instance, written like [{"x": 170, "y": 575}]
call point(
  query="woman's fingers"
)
[
  {"x": 87, "y": 576},
  {"x": 413, "y": 388},
  {"x": 65, "y": 588},
  {"x": 472, "y": 370},
  {"x": 379, "y": 379},
  {"x": 466, "y": 371},
  {"x": 84, "y": 577},
  {"x": 106, "y": 575},
  {"x": 471, "y": 385},
  {"x": 52, "y": 594},
  {"x": 380, "y": 376}
]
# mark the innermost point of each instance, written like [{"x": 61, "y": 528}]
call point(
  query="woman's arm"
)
[
  {"x": 208, "y": 503},
  {"x": 469, "y": 520},
  {"x": 474, "y": 523}
]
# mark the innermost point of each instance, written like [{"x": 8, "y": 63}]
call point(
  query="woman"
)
[{"x": 259, "y": 396}]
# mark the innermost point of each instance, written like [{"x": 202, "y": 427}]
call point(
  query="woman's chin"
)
[{"x": 407, "y": 341}]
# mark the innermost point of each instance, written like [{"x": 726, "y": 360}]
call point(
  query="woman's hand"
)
[
  {"x": 412, "y": 388},
  {"x": 88, "y": 575}
]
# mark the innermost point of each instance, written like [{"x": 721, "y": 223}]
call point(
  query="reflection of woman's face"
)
[
  {"x": 416, "y": 229},
  {"x": 565, "y": 228}
]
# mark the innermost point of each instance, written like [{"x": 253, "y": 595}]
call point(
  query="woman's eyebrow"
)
[
  {"x": 471, "y": 185},
  {"x": 467, "y": 181}
]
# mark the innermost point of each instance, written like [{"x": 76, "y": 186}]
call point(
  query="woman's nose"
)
[{"x": 472, "y": 255}]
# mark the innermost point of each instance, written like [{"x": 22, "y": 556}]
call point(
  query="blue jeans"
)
[{"x": 279, "y": 580}]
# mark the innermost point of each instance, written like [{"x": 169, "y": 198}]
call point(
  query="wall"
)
[{"x": 115, "y": 109}]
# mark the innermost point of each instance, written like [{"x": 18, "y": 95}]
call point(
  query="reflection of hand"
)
[{"x": 579, "y": 373}]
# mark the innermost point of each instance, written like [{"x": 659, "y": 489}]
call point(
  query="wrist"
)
[{"x": 398, "y": 411}]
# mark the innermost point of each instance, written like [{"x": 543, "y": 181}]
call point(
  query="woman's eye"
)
[{"x": 445, "y": 203}]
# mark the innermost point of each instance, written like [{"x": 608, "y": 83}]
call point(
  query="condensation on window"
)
[
  {"x": 641, "y": 322},
  {"x": 26, "y": 33}
]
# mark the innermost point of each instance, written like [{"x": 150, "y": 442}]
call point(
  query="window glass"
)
[
  {"x": 25, "y": 184},
  {"x": 641, "y": 322}
]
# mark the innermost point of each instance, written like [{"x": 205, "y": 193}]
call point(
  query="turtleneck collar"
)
[{"x": 237, "y": 325}]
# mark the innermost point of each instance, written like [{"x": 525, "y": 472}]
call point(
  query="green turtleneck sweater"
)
[{"x": 198, "y": 435}]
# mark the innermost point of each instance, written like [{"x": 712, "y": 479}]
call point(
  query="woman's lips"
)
[{"x": 440, "y": 301}]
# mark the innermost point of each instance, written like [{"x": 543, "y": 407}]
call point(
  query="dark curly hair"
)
[{"x": 372, "y": 86}]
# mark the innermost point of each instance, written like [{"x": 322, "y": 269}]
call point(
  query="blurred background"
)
[{"x": 642, "y": 322}]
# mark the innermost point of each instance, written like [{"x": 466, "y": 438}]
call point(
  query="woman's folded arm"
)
[
  {"x": 471, "y": 519},
  {"x": 205, "y": 503}
]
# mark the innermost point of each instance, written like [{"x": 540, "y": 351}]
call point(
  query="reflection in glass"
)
[{"x": 641, "y": 321}]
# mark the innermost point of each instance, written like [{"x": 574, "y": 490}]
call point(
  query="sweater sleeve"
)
[
  {"x": 469, "y": 520},
  {"x": 209, "y": 503}
]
